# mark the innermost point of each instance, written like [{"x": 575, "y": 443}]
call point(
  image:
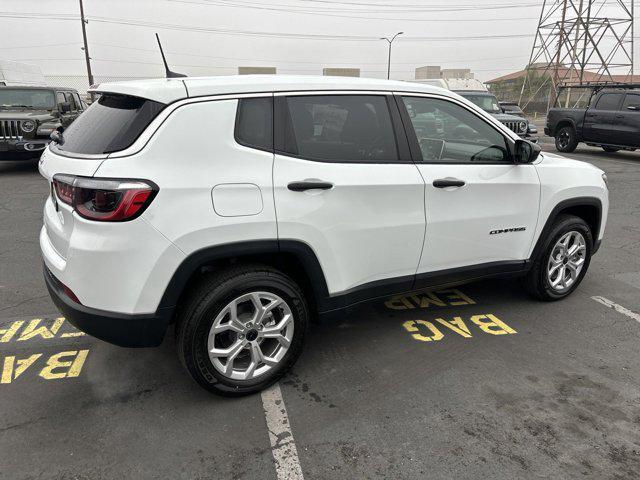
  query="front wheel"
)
[
  {"x": 566, "y": 140},
  {"x": 563, "y": 261},
  {"x": 242, "y": 329}
]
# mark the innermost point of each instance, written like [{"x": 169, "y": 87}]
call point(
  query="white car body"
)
[{"x": 381, "y": 223}]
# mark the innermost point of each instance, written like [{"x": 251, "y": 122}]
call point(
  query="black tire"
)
[
  {"x": 536, "y": 282},
  {"x": 208, "y": 298},
  {"x": 566, "y": 139},
  {"x": 611, "y": 149}
]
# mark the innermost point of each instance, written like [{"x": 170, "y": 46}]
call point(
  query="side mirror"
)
[
  {"x": 65, "y": 107},
  {"x": 56, "y": 136},
  {"x": 525, "y": 152}
]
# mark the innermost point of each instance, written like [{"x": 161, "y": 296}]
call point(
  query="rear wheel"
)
[
  {"x": 563, "y": 261},
  {"x": 242, "y": 329},
  {"x": 610, "y": 149},
  {"x": 566, "y": 139}
]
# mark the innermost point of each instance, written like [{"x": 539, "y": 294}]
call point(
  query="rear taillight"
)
[{"x": 102, "y": 199}]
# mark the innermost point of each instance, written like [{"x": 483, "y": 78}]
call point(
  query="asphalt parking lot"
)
[{"x": 467, "y": 383}]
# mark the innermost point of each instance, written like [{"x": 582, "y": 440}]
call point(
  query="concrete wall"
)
[
  {"x": 256, "y": 70},
  {"x": 341, "y": 72},
  {"x": 428, "y": 72},
  {"x": 456, "y": 73}
]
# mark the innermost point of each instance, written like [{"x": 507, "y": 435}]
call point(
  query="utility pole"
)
[
  {"x": 86, "y": 46},
  {"x": 390, "y": 41}
]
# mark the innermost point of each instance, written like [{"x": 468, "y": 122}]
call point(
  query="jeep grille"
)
[
  {"x": 10, "y": 129},
  {"x": 520, "y": 127}
]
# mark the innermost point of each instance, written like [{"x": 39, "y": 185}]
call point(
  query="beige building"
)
[
  {"x": 457, "y": 73},
  {"x": 428, "y": 72},
  {"x": 435, "y": 71},
  {"x": 256, "y": 70},
  {"x": 341, "y": 72}
]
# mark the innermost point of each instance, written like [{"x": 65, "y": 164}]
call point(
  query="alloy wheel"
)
[
  {"x": 566, "y": 261},
  {"x": 250, "y": 336}
]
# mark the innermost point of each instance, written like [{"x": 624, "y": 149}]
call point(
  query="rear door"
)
[
  {"x": 627, "y": 122},
  {"x": 344, "y": 183},
  {"x": 599, "y": 121},
  {"x": 481, "y": 208}
]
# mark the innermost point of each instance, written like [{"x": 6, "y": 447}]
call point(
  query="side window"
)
[
  {"x": 76, "y": 98},
  {"x": 254, "y": 123},
  {"x": 449, "y": 133},
  {"x": 60, "y": 98},
  {"x": 340, "y": 128},
  {"x": 609, "y": 101},
  {"x": 631, "y": 100},
  {"x": 72, "y": 101}
]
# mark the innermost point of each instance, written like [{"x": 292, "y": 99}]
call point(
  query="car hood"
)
[
  {"x": 39, "y": 115},
  {"x": 505, "y": 117},
  {"x": 547, "y": 158}
]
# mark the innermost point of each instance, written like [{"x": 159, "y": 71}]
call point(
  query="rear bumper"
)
[{"x": 142, "y": 330}]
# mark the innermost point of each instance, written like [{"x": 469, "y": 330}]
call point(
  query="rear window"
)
[{"x": 112, "y": 123}]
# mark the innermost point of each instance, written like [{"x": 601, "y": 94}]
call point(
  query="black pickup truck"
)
[{"x": 611, "y": 120}]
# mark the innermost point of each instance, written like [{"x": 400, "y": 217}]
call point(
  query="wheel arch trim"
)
[
  {"x": 201, "y": 258},
  {"x": 557, "y": 210}
]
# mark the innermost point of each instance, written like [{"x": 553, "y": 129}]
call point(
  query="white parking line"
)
[
  {"x": 283, "y": 448},
  {"x": 618, "y": 308}
]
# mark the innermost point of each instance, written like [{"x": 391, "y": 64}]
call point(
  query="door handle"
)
[
  {"x": 308, "y": 185},
  {"x": 448, "y": 182},
  {"x": 619, "y": 116}
]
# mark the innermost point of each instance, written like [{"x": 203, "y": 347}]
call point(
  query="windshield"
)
[
  {"x": 488, "y": 103},
  {"x": 26, "y": 98}
]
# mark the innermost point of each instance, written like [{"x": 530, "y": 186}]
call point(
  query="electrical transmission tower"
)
[{"x": 578, "y": 42}]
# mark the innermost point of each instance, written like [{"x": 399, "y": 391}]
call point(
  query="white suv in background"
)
[{"x": 240, "y": 207}]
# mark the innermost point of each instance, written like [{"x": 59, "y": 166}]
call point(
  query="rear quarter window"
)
[{"x": 112, "y": 123}]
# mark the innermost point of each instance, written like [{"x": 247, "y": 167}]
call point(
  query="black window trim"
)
[
  {"x": 236, "y": 124},
  {"x": 416, "y": 152},
  {"x": 280, "y": 113}
]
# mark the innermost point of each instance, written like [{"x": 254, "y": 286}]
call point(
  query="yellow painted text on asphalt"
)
[
  {"x": 23, "y": 330},
  {"x": 425, "y": 331},
  {"x": 451, "y": 297},
  {"x": 59, "y": 365}
]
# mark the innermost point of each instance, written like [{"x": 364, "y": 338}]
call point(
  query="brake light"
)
[{"x": 103, "y": 199}]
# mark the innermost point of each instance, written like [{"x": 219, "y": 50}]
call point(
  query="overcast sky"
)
[{"x": 211, "y": 37}]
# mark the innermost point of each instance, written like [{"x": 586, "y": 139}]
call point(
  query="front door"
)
[
  {"x": 481, "y": 208},
  {"x": 345, "y": 186}
]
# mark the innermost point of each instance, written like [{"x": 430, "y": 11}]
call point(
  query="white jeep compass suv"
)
[{"x": 239, "y": 207}]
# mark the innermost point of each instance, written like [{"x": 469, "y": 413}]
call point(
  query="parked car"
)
[
  {"x": 512, "y": 108},
  {"x": 611, "y": 121},
  {"x": 239, "y": 208},
  {"x": 28, "y": 115},
  {"x": 489, "y": 103}
]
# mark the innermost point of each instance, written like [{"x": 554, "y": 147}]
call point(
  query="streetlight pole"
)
[{"x": 390, "y": 41}]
